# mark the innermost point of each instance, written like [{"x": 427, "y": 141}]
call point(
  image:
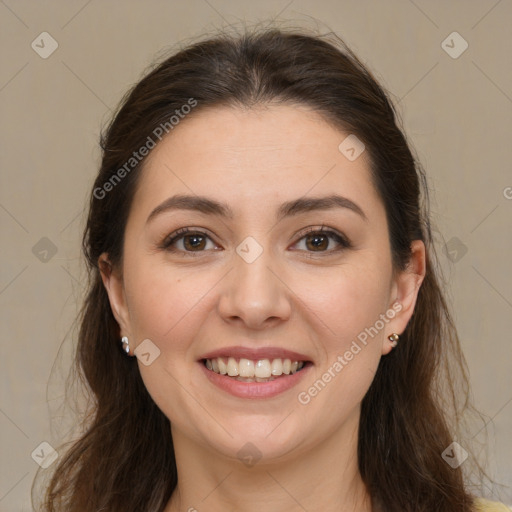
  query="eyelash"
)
[{"x": 169, "y": 240}]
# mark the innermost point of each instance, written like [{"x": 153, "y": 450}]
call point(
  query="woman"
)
[{"x": 264, "y": 326}]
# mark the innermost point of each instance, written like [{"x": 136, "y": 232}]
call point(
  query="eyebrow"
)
[{"x": 298, "y": 206}]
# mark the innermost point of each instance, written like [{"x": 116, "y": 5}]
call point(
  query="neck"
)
[{"x": 324, "y": 477}]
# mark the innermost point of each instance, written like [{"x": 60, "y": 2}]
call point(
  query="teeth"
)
[
  {"x": 262, "y": 369},
  {"x": 232, "y": 367},
  {"x": 247, "y": 370},
  {"x": 223, "y": 369},
  {"x": 277, "y": 367}
]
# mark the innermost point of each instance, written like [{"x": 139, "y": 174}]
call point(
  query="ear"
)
[
  {"x": 404, "y": 292},
  {"x": 113, "y": 282}
]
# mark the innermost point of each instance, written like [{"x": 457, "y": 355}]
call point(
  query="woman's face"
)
[{"x": 254, "y": 278}]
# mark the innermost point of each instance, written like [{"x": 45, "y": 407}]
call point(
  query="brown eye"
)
[
  {"x": 193, "y": 242},
  {"x": 323, "y": 241},
  {"x": 317, "y": 241},
  {"x": 188, "y": 241}
]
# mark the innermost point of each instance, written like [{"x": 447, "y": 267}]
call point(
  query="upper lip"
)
[{"x": 256, "y": 354}]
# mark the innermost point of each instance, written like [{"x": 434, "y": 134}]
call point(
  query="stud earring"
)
[
  {"x": 394, "y": 339},
  {"x": 126, "y": 344}
]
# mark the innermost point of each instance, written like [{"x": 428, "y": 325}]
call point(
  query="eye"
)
[
  {"x": 187, "y": 240},
  {"x": 191, "y": 242},
  {"x": 319, "y": 240}
]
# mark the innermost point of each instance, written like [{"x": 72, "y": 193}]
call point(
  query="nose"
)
[{"x": 254, "y": 294}]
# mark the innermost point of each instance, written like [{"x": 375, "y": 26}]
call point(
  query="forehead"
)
[{"x": 251, "y": 158}]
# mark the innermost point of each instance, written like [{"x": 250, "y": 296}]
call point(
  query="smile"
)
[
  {"x": 247, "y": 370},
  {"x": 254, "y": 378}
]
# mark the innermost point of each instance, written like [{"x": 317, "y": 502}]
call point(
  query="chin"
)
[{"x": 262, "y": 441}]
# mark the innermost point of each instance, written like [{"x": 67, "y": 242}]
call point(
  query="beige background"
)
[{"x": 456, "y": 112}]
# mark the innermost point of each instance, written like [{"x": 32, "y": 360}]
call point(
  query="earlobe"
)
[
  {"x": 113, "y": 283},
  {"x": 405, "y": 292}
]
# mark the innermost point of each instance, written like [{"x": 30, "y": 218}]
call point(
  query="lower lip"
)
[{"x": 255, "y": 389}]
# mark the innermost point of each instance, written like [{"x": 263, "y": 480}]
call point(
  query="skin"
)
[{"x": 313, "y": 301}]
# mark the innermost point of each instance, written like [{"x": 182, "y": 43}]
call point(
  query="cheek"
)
[
  {"x": 160, "y": 299},
  {"x": 166, "y": 307},
  {"x": 348, "y": 299},
  {"x": 350, "y": 304}
]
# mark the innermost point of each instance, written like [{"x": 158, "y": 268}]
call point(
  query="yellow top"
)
[{"x": 490, "y": 506}]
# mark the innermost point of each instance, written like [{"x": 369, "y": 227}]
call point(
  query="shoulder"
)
[{"x": 490, "y": 506}]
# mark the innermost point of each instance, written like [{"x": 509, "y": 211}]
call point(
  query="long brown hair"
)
[{"x": 124, "y": 459}]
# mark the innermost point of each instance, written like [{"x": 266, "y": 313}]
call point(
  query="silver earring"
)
[
  {"x": 126, "y": 344},
  {"x": 394, "y": 339}
]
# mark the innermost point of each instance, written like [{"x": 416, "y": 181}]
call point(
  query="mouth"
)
[
  {"x": 254, "y": 373},
  {"x": 254, "y": 370}
]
